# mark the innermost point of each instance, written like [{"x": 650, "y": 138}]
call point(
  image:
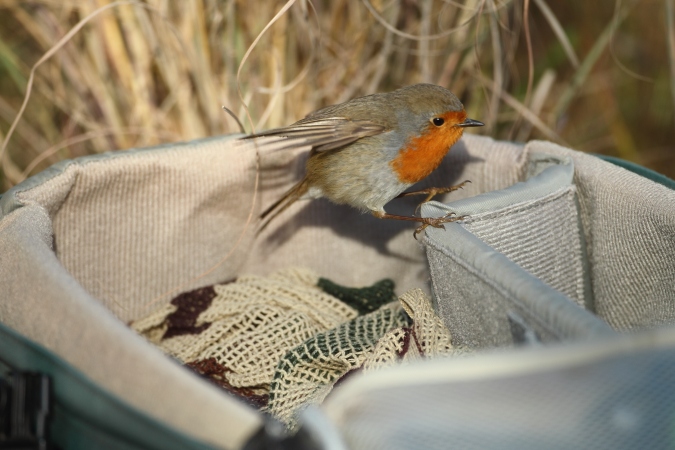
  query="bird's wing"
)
[{"x": 324, "y": 134}]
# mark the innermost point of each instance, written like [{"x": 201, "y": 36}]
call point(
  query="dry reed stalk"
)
[{"x": 143, "y": 73}]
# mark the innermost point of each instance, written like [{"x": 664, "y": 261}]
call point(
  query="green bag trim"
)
[
  {"x": 640, "y": 170},
  {"x": 84, "y": 416}
]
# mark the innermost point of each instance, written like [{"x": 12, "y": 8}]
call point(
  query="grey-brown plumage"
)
[{"x": 360, "y": 149}]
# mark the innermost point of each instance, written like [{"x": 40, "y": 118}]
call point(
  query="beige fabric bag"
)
[{"x": 92, "y": 244}]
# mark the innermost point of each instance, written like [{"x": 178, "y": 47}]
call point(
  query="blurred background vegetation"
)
[{"x": 598, "y": 76}]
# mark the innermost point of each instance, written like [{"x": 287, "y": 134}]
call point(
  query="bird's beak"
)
[{"x": 470, "y": 123}]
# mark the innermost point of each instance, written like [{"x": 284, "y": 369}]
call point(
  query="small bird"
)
[{"x": 367, "y": 151}]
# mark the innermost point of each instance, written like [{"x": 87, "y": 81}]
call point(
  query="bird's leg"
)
[
  {"x": 436, "y": 222},
  {"x": 432, "y": 192}
]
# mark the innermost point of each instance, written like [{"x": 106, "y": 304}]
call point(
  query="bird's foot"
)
[
  {"x": 437, "y": 222},
  {"x": 433, "y": 191}
]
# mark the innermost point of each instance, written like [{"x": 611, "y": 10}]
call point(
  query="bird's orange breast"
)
[{"x": 423, "y": 154}]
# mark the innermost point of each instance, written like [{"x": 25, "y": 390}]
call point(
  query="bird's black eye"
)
[{"x": 438, "y": 121}]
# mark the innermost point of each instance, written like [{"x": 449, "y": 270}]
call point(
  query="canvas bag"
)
[{"x": 109, "y": 234}]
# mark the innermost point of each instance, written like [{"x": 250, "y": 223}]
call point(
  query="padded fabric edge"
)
[
  {"x": 11, "y": 200},
  {"x": 42, "y": 302},
  {"x": 554, "y": 310},
  {"x": 106, "y": 421}
]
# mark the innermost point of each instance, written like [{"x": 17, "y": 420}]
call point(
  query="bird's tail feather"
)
[{"x": 284, "y": 202}]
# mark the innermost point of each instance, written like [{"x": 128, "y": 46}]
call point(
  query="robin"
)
[{"x": 367, "y": 151}]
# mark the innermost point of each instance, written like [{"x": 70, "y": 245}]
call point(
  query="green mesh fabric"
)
[
  {"x": 364, "y": 300},
  {"x": 281, "y": 342},
  {"x": 307, "y": 373}
]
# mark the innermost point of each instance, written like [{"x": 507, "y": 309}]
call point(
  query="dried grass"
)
[{"x": 138, "y": 73}]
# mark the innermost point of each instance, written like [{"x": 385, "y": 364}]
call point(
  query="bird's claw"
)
[
  {"x": 434, "y": 191},
  {"x": 437, "y": 222}
]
